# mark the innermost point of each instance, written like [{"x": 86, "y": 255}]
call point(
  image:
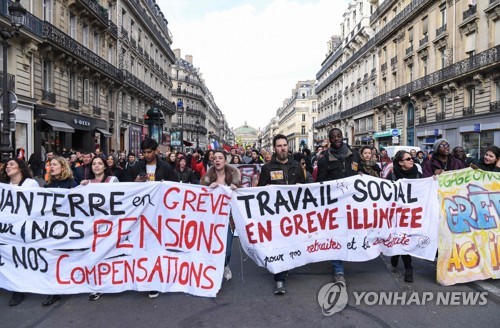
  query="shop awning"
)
[
  {"x": 104, "y": 132},
  {"x": 59, "y": 126}
]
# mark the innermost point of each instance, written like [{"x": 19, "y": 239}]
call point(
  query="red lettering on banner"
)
[
  {"x": 416, "y": 216},
  {"x": 58, "y": 271},
  {"x": 123, "y": 233},
  {"x": 196, "y": 201},
  {"x": 107, "y": 233},
  {"x": 174, "y": 204},
  {"x": 393, "y": 240},
  {"x": 145, "y": 223},
  {"x": 189, "y": 197},
  {"x": 325, "y": 221}
]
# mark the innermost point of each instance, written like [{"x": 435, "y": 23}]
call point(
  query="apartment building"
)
[{"x": 414, "y": 71}]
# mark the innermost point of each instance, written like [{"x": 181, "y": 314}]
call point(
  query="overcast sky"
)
[{"x": 252, "y": 53}]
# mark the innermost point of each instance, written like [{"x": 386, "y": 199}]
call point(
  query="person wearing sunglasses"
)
[
  {"x": 404, "y": 168},
  {"x": 441, "y": 160}
]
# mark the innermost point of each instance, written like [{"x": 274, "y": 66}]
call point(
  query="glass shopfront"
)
[{"x": 471, "y": 142}]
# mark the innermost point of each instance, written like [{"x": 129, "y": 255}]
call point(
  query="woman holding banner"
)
[
  {"x": 404, "y": 168},
  {"x": 60, "y": 176},
  {"x": 222, "y": 174},
  {"x": 17, "y": 173},
  {"x": 101, "y": 173}
]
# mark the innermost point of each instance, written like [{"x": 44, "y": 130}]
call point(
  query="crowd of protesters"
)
[{"x": 212, "y": 168}]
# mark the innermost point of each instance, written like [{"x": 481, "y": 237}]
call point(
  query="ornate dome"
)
[{"x": 245, "y": 130}]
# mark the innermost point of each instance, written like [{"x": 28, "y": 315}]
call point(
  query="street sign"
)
[
  {"x": 436, "y": 132},
  {"x": 395, "y": 132},
  {"x": 12, "y": 101},
  {"x": 477, "y": 127}
]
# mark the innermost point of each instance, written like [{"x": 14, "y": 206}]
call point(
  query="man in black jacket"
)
[
  {"x": 281, "y": 170},
  {"x": 151, "y": 168},
  {"x": 339, "y": 162}
]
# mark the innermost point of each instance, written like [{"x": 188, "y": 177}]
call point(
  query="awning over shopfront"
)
[
  {"x": 104, "y": 132},
  {"x": 59, "y": 126}
]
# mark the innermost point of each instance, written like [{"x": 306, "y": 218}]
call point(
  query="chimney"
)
[
  {"x": 189, "y": 59},
  {"x": 177, "y": 53}
]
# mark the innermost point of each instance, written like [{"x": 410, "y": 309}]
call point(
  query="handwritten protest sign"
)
[
  {"x": 355, "y": 219},
  {"x": 469, "y": 243},
  {"x": 109, "y": 238},
  {"x": 250, "y": 174}
]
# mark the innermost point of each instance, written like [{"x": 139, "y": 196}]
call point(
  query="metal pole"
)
[
  {"x": 6, "y": 149},
  {"x": 182, "y": 129}
]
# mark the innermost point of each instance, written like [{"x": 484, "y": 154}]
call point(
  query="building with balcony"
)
[
  {"x": 430, "y": 75},
  {"x": 86, "y": 72},
  {"x": 198, "y": 117},
  {"x": 295, "y": 117}
]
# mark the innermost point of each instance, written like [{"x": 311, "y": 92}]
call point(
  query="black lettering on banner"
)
[
  {"x": 351, "y": 244},
  {"x": 295, "y": 253},
  {"x": 275, "y": 258},
  {"x": 366, "y": 244},
  {"x": 141, "y": 201},
  {"x": 7, "y": 228},
  {"x": 30, "y": 258}
]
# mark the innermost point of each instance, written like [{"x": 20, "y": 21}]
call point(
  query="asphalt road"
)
[{"x": 248, "y": 301}]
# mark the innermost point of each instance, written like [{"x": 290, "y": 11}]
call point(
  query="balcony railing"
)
[
  {"x": 111, "y": 115},
  {"x": 124, "y": 32},
  {"x": 393, "y": 125},
  {"x": 495, "y": 106},
  {"x": 11, "y": 82},
  {"x": 383, "y": 67},
  {"x": 134, "y": 81},
  {"x": 96, "y": 110},
  {"x": 48, "y": 96},
  {"x": 409, "y": 50},
  {"x": 124, "y": 115},
  {"x": 468, "y": 111},
  {"x": 483, "y": 60},
  {"x": 422, "y": 119},
  {"x": 423, "y": 41},
  {"x": 440, "y": 116},
  {"x": 133, "y": 118},
  {"x": 76, "y": 49},
  {"x": 441, "y": 30},
  {"x": 73, "y": 103},
  {"x": 383, "y": 127},
  {"x": 470, "y": 12},
  {"x": 394, "y": 60},
  {"x": 94, "y": 7},
  {"x": 493, "y": 1}
]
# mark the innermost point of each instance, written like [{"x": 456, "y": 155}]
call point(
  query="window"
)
[
  {"x": 425, "y": 26},
  {"x": 85, "y": 92},
  {"x": 424, "y": 67},
  {"x": 410, "y": 73},
  {"x": 303, "y": 117},
  {"x": 303, "y": 130},
  {"x": 96, "y": 94},
  {"x": 410, "y": 37},
  {"x": 443, "y": 15},
  {"x": 72, "y": 85},
  {"x": 497, "y": 90},
  {"x": 471, "y": 95},
  {"x": 47, "y": 76},
  {"x": 96, "y": 42},
  {"x": 72, "y": 26},
  {"x": 110, "y": 53},
  {"x": 443, "y": 57},
  {"x": 85, "y": 35},
  {"x": 442, "y": 104},
  {"x": 47, "y": 10}
]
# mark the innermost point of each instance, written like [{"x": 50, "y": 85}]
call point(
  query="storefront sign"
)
[
  {"x": 81, "y": 122},
  {"x": 387, "y": 133}
]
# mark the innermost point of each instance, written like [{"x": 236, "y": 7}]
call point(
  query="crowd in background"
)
[{"x": 212, "y": 167}]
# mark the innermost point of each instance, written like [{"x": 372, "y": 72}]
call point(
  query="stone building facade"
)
[{"x": 409, "y": 72}]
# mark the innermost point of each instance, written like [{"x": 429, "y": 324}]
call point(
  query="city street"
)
[{"x": 248, "y": 301}]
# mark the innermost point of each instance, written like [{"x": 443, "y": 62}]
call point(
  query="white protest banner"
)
[
  {"x": 112, "y": 237},
  {"x": 354, "y": 219}
]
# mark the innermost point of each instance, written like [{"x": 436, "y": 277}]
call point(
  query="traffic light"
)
[{"x": 12, "y": 119}]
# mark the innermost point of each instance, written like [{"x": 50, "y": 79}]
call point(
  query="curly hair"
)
[
  {"x": 23, "y": 168},
  {"x": 66, "y": 173}
]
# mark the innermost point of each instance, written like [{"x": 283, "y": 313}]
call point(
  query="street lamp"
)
[
  {"x": 180, "y": 116},
  {"x": 394, "y": 106},
  {"x": 197, "y": 133},
  {"x": 17, "y": 19}
]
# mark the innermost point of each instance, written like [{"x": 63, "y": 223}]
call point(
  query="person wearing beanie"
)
[{"x": 441, "y": 160}]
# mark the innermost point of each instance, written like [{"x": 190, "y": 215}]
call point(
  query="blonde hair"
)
[{"x": 66, "y": 173}]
